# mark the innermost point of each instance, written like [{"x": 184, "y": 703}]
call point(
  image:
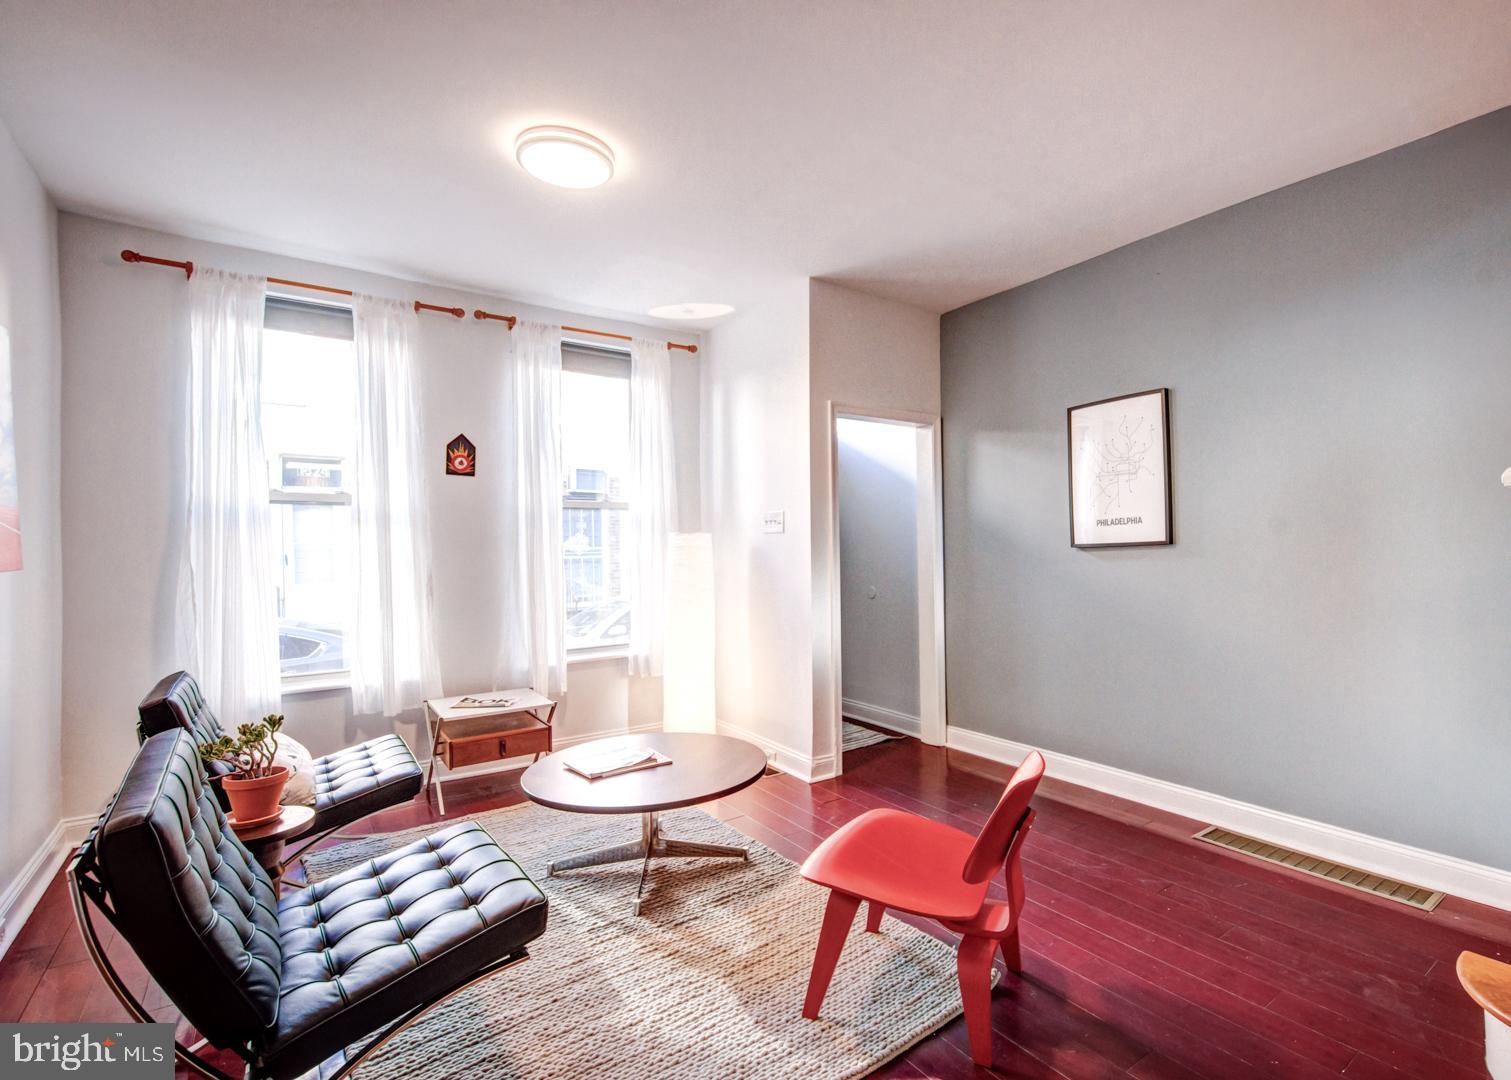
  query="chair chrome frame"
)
[
  {"x": 86, "y": 889},
  {"x": 308, "y": 842}
]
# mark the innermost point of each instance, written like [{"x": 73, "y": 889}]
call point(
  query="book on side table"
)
[
  {"x": 597, "y": 764},
  {"x": 486, "y": 701}
]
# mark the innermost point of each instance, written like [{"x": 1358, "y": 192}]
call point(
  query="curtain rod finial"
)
[
  {"x": 454, "y": 312},
  {"x": 137, "y": 257}
]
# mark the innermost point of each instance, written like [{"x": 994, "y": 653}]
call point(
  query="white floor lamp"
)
[{"x": 687, "y": 685}]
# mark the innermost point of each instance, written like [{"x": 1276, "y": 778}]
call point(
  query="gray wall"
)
[
  {"x": 878, "y": 554},
  {"x": 1330, "y": 635},
  {"x": 31, "y": 599}
]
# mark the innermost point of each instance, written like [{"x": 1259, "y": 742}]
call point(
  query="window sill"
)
[
  {"x": 315, "y": 684},
  {"x": 594, "y": 656},
  {"x": 341, "y": 680}
]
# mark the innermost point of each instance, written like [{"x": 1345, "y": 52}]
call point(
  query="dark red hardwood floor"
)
[{"x": 1145, "y": 953}]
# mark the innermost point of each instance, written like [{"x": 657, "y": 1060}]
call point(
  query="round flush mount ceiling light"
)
[
  {"x": 690, "y": 311},
  {"x": 564, "y": 156}
]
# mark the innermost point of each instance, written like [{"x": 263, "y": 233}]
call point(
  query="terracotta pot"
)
[{"x": 256, "y": 798}]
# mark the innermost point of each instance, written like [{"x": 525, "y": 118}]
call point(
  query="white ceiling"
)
[{"x": 928, "y": 151}]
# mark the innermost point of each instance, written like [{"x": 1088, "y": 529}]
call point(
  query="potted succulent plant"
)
[{"x": 256, "y": 787}]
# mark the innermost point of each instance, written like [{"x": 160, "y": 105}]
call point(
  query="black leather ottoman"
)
[
  {"x": 363, "y": 779},
  {"x": 375, "y": 941}
]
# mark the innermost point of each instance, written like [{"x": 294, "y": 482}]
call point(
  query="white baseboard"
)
[
  {"x": 891, "y": 719},
  {"x": 75, "y": 829},
  {"x": 1457, "y": 877},
  {"x": 803, "y": 766},
  {"x": 20, "y": 897}
]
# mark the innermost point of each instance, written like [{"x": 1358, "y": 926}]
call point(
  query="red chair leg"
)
[
  {"x": 831, "y": 939},
  {"x": 1012, "y": 955},
  {"x": 973, "y": 963},
  {"x": 874, "y": 912}
]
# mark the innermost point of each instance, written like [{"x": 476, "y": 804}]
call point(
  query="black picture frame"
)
[{"x": 1167, "y": 536}]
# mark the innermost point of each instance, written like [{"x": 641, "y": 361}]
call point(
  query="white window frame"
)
[
  {"x": 278, "y": 494},
  {"x": 340, "y": 678},
  {"x": 607, "y": 363}
]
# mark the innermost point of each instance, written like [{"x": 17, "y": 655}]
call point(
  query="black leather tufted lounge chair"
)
[
  {"x": 290, "y": 983},
  {"x": 349, "y": 784}
]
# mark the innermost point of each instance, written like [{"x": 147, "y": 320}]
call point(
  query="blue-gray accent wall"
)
[{"x": 1330, "y": 634}]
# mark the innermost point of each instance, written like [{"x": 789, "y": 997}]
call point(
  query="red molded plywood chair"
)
[{"x": 893, "y": 859}]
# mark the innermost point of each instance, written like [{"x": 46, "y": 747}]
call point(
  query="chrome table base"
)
[{"x": 651, "y": 845}]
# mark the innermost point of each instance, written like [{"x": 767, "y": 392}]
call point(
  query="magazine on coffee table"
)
[{"x": 598, "y": 764}]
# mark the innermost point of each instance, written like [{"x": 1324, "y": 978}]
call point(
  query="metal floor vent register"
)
[{"x": 1399, "y": 891}]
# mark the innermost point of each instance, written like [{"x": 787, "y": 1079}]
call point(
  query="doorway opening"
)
[{"x": 888, "y": 596}]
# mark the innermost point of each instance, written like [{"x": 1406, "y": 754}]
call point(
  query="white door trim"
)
[{"x": 930, "y": 547}]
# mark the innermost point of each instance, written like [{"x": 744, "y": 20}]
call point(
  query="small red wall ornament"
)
[{"x": 461, "y": 457}]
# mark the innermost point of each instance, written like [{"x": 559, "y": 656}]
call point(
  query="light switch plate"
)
[{"x": 774, "y": 521}]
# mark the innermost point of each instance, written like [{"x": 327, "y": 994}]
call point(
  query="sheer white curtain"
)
[
  {"x": 653, "y": 501},
  {"x": 227, "y": 622},
  {"x": 390, "y": 642},
  {"x": 534, "y": 646}
]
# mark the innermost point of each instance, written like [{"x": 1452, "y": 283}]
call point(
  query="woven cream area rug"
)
[{"x": 707, "y": 984}]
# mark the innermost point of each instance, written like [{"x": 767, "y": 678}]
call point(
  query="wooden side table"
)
[
  {"x": 266, "y": 842},
  {"x": 462, "y": 736}
]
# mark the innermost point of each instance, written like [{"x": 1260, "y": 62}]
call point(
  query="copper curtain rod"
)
[
  {"x": 512, "y": 319},
  {"x": 419, "y": 305},
  {"x": 188, "y": 269}
]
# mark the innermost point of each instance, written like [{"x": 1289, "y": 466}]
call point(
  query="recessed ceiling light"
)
[
  {"x": 690, "y": 311},
  {"x": 564, "y": 156}
]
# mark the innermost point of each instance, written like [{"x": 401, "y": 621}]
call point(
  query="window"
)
[
  {"x": 595, "y": 449},
  {"x": 309, "y": 411}
]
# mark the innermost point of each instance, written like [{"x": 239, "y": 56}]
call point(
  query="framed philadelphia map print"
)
[{"x": 1120, "y": 471}]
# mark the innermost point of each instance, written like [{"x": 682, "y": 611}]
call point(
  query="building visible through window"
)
[
  {"x": 308, "y": 430},
  {"x": 595, "y": 396}
]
